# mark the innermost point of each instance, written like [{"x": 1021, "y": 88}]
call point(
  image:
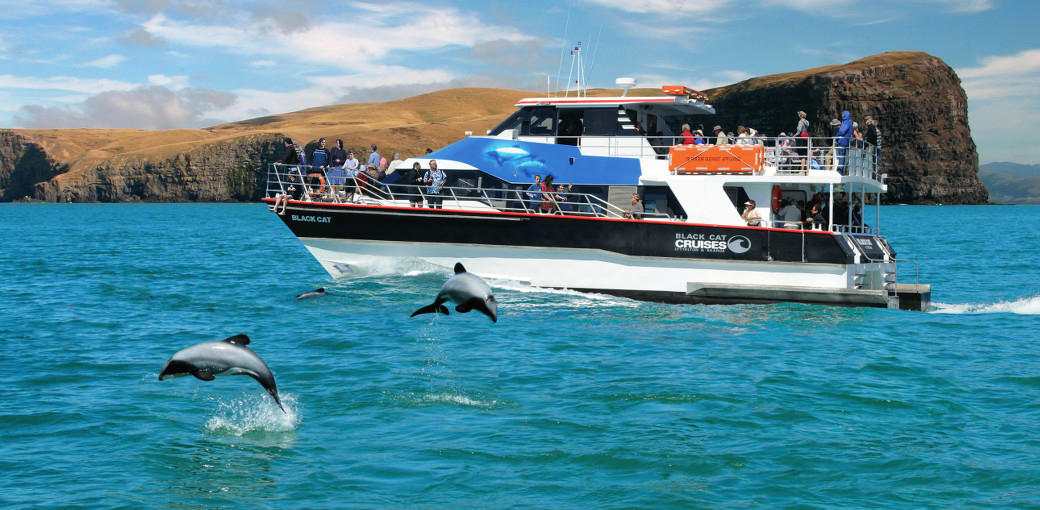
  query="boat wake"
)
[
  {"x": 255, "y": 414},
  {"x": 1025, "y": 306},
  {"x": 389, "y": 266},
  {"x": 598, "y": 299}
]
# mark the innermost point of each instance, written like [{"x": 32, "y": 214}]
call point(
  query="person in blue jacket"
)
[{"x": 844, "y": 133}]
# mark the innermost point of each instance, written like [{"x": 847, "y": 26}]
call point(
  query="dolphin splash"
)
[{"x": 225, "y": 357}]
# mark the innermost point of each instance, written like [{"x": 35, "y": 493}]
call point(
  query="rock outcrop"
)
[
  {"x": 922, "y": 110},
  {"x": 916, "y": 98}
]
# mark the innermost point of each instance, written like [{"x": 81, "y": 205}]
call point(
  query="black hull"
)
[{"x": 635, "y": 238}]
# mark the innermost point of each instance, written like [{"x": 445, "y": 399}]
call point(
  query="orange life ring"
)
[
  {"x": 321, "y": 180},
  {"x": 778, "y": 196}
]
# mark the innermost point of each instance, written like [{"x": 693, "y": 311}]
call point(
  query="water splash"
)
[
  {"x": 525, "y": 288},
  {"x": 1024, "y": 306},
  {"x": 461, "y": 400},
  {"x": 392, "y": 266},
  {"x": 255, "y": 414}
]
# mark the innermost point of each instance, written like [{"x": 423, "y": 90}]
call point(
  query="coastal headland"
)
[{"x": 917, "y": 99}]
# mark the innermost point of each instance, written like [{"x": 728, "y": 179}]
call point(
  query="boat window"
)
[
  {"x": 542, "y": 122},
  {"x": 513, "y": 122},
  {"x": 601, "y": 122},
  {"x": 737, "y": 195}
]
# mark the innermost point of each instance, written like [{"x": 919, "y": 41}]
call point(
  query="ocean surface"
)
[{"x": 569, "y": 401}]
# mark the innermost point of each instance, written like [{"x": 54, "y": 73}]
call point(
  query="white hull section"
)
[{"x": 580, "y": 268}]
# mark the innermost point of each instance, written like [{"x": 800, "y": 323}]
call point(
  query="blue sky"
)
[{"x": 161, "y": 64}]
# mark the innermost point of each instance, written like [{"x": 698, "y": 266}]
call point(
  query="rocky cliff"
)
[
  {"x": 916, "y": 99},
  {"x": 922, "y": 110}
]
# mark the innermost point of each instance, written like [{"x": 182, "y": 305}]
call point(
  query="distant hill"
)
[
  {"x": 1012, "y": 183},
  {"x": 928, "y": 153}
]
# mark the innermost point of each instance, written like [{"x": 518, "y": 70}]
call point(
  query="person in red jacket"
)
[{"x": 687, "y": 135}]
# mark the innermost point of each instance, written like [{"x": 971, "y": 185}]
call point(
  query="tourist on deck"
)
[
  {"x": 292, "y": 184},
  {"x": 720, "y": 136},
  {"x": 562, "y": 198},
  {"x": 412, "y": 178},
  {"x": 857, "y": 212},
  {"x": 435, "y": 178},
  {"x": 815, "y": 220},
  {"x": 534, "y": 194},
  {"x": 790, "y": 214},
  {"x": 871, "y": 135},
  {"x": 844, "y": 134},
  {"x": 394, "y": 164},
  {"x": 548, "y": 195},
  {"x": 750, "y": 215},
  {"x": 351, "y": 165},
  {"x": 635, "y": 212},
  {"x": 698, "y": 137},
  {"x": 743, "y": 136},
  {"x": 374, "y": 157},
  {"x": 801, "y": 138},
  {"x": 687, "y": 136},
  {"x": 337, "y": 156},
  {"x": 320, "y": 156}
]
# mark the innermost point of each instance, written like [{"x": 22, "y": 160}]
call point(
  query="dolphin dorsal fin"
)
[
  {"x": 459, "y": 268},
  {"x": 237, "y": 340}
]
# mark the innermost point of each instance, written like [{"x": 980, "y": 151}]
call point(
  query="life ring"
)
[
  {"x": 321, "y": 181},
  {"x": 778, "y": 197}
]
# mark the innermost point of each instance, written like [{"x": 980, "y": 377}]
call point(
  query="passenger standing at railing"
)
[
  {"x": 687, "y": 136},
  {"x": 872, "y": 135},
  {"x": 351, "y": 166},
  {"x": 815, "y": 220},
  {"x": 337, "y": 158},
  {"x": 320, "y": 156},
  {"x": 374, "y": 157},
  {"x": 743, "y": 136},
  {"x": 412, "y": 179},
  {"x": 698, "y": 137},
  {"x": 750, "y": 215},
  {"x": 801, "y": 138},
  {"x": 562, "y": 197},
  {"x": 720, "y": 136},
  {"x": 534, "y": 194},
  {"x": 790, "y": 214},
  {"x": 435, "y": 177},
  {"x": 634, "y": 212},
  {"x": 293, "y": 185},
  {"x": 843, "y": 135},
  {"x": 548, "y": 195},
  {"x": 394, "y": 164}
]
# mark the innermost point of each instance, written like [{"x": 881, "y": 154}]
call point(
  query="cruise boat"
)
[{"x": 690, "y": 244}]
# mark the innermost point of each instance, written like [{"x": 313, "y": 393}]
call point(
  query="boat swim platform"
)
[{"x": 915, "y": 297}]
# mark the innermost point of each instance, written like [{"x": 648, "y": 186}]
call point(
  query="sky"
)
[{"x": 162, "y": 64}]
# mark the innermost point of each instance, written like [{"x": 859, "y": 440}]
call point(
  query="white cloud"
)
[
  {"x": 174, "y": 82},
  {"x": 681, "y": 8},
  {"x": 390, "y": 29},
  {"x": 1003, "y": 76},
  {"x": 106, "y": 62},
  {"x": 262, "y": 63},
  {"x": 1004, "y": 107},
  {"x": 965, "y": 6},
  {"x": 147, "y": 107},
  {"x": 63, "y": 83}
]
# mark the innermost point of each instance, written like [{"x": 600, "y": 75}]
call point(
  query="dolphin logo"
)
[
  {"x": 468, "y": 291},
  {"x": 229, "y": 356},
  {"x": 738, "y": 244}
]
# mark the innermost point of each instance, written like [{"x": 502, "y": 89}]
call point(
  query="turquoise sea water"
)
[{"x": 569, "y": 401}]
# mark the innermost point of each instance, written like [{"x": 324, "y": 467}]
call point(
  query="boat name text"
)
[
  {"x": 312, "y": 219},
  {"x": 712, "y": 243}
]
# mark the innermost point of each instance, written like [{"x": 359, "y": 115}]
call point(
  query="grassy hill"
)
[{"x": 1012, "y": 183}]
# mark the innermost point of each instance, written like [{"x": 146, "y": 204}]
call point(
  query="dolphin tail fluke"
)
[
  {"x": 432, "y": 308},
  {"x": 277, "y": 400}
]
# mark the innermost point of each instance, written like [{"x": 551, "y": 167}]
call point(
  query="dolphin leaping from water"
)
[
  {"x": 468, "y": 291},
  {"x": 225, "y": 357}
]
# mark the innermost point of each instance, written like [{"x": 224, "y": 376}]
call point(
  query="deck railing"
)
[
  {"x": 316, "y": 185},
  {"x": 786, "y": 155}
]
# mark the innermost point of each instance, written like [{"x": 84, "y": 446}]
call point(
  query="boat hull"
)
[{"x": 660, "y": 261}]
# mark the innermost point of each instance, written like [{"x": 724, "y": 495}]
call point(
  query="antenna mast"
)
[{"x": 577, "y": 72}]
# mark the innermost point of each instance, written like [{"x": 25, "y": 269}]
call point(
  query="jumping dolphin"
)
[
  {"x": 468, "y": 291},
  {"x": 319, "y": 292},
  {"x": 228, "y": 357}
]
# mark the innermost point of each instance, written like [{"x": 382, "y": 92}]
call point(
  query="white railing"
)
[{"x": 308, "y": 184}]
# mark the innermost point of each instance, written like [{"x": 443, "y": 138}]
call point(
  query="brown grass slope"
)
[{"x": 226, "y": 161}]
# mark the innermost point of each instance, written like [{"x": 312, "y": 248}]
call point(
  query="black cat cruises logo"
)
[{"x": 712, "y": 243}]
